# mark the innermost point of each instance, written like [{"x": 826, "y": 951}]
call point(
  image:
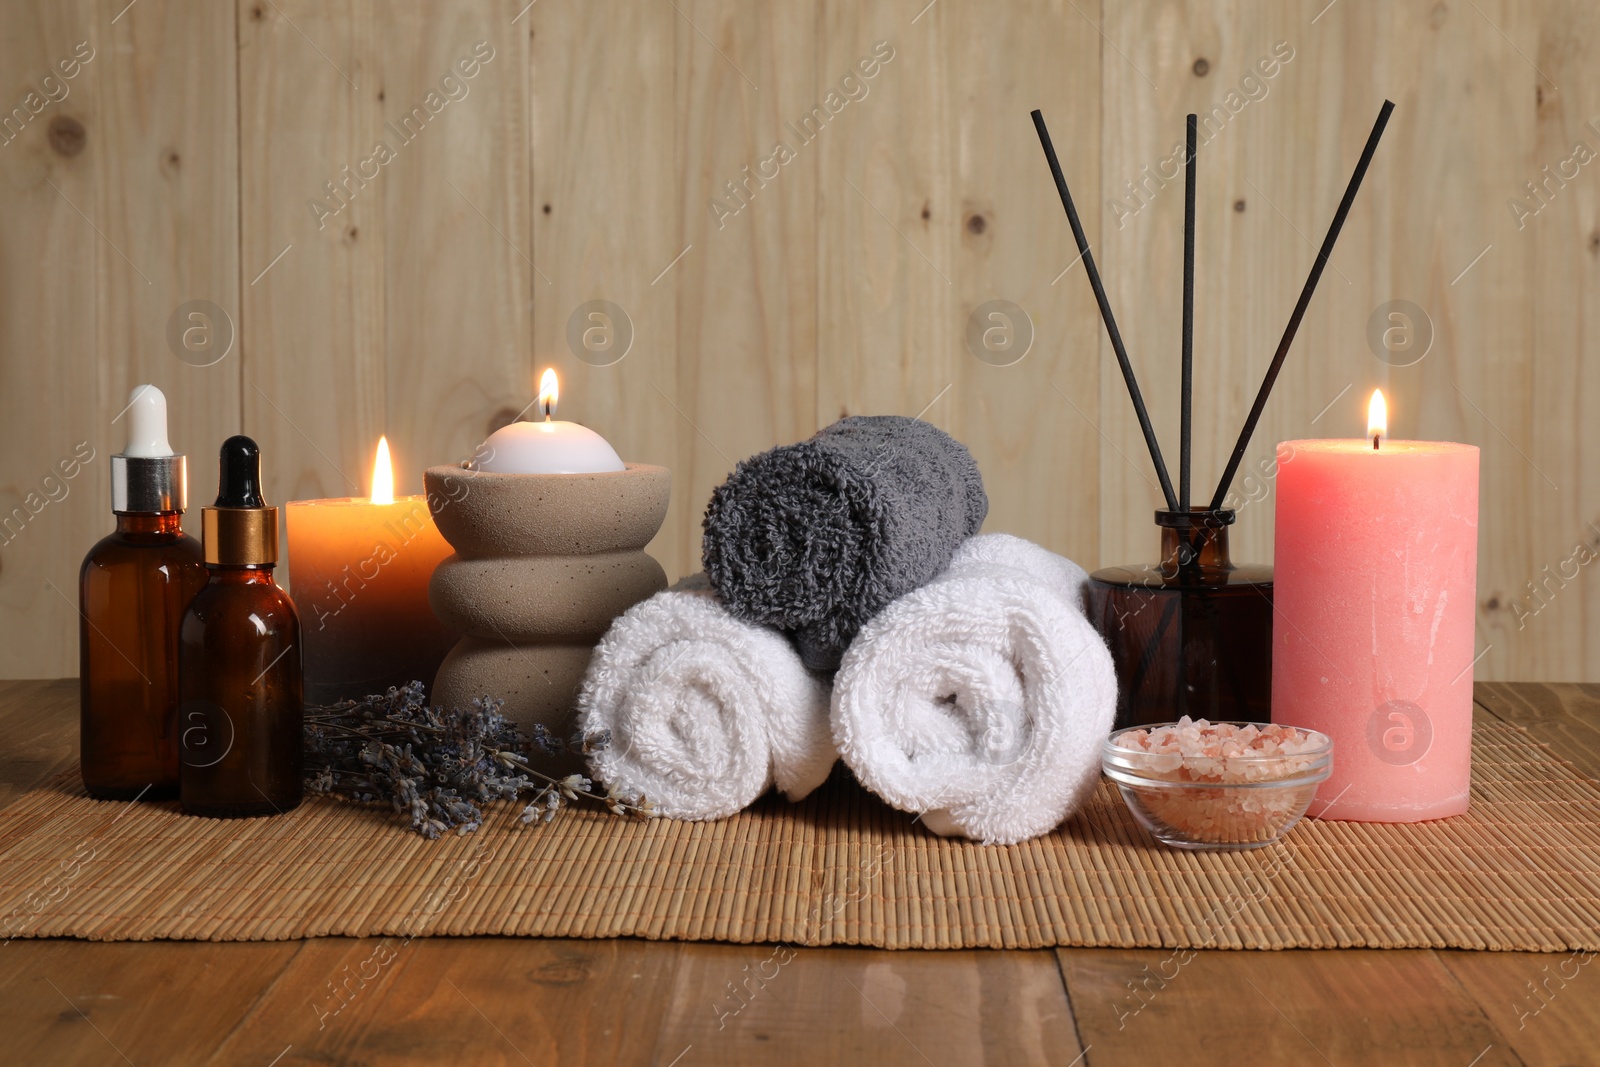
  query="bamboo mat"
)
[{"x": 1520, "y": 871}]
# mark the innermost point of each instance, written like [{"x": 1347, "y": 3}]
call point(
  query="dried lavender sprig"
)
[
  {"x": 441, "y": 764},
  {"x": 573, "y": 784}
]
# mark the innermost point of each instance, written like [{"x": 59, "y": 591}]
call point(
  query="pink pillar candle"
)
[{"x": 1374, "y": 601}]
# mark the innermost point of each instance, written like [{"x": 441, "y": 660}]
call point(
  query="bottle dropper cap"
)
[
  {"x": 240, "y": 530},
  {"x": 147, "y": 477}
]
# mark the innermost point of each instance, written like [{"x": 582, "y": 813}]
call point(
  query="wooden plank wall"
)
[{"x": 588, "y": 157}]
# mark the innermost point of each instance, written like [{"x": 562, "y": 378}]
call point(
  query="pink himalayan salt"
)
[
  {"x": 1194, "y": 750},
  {"x": 1225, "y": 754}
]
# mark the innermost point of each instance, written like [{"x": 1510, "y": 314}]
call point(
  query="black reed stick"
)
[
  {"x": 1300, "y": 307},
  {"x": 1186, "y": 418},
  {"x": 1105, "y": 311}
]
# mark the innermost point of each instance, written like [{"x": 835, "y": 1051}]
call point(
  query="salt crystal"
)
[{"x": 1222, "y": 754}]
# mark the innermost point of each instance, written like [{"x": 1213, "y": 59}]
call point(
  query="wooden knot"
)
[{"x": 67, "y": 135}]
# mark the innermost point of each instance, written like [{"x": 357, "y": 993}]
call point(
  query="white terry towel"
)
[
  {"x": 705, "y": 712},
  {"x": 981, "y": 699}
]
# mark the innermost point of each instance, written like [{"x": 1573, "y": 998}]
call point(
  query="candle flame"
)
[
  {"x": 383, "y": 474},
  {"x": 1377, "y": 417},
  {"x": 549, "y": 393}
]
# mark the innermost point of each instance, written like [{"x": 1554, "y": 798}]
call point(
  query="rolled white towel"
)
[
  {"x": 705, "y": 712},
  {"x": 981, "y": 699}
]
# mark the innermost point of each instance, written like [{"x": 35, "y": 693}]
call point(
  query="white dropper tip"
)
[{"x": 147, "y": 423}]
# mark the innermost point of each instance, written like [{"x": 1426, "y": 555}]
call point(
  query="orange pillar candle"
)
[{"x": 359, "y": 569}]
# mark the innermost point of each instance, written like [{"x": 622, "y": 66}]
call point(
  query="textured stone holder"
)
[{"x": 543, "y": 563}]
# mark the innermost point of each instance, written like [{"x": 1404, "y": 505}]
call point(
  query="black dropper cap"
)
[
  {"x": 240, "y": 530},
  {"x": 239, "y": 481}
]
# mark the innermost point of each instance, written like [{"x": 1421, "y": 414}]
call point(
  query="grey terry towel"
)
[{"x": 815, "y": 538}]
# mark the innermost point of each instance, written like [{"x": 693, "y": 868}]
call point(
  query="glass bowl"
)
[{"x": 1195, "y": 800}]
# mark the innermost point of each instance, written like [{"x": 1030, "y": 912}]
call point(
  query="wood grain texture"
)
[
  {"x": 388, "y": 1001},
  {"x": 602, "y": 143},
  {"x": 121, "y": 204},
  {"x": 313, "y": 325},
  {"x": 75, "y": 1003},
  {"x": 458, "y": 262},
  {"x": 606, "y": 224},
  {"x": 933, "y": 209},
  {"x": 168, "y": 197},
  {"x": 1249, "y": 262},
  {"x": 1546, "y": 1006},
  {"x": 41, "y": 730},
  {"x": 1564, "y": 716},
  {"x": 1544, "y": 612},
  {"x": 766, "y": 1003},
  {"x": 50, "y": 261},
  {"x": 747, "y": 313},
  {"x": 1271, "y": 1008}
]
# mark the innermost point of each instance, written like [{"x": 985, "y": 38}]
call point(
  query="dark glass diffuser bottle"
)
[
  {"x": 241, "y": 715},
  {"x": 1191, "y": 635},
  {"x": 132, "y": 589}
]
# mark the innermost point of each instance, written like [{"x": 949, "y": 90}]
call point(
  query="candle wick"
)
[{"x": 1375, "y": 442}]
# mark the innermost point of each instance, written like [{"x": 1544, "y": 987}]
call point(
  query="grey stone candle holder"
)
[{"x": 543, "y": 563}]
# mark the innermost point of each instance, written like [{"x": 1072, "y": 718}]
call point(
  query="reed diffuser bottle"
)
[
  {"x": 239, "y": 659},
  {"x": 1192, "y": 635},
  {"x": 132, "y": 591}
]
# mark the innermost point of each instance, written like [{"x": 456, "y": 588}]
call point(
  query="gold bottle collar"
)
[{"x": 240, "y": 537}]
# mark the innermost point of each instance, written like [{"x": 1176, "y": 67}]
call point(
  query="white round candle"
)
[{"x": 546, "y": 447}]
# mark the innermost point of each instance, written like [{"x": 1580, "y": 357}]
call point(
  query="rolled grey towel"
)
[{"x": 816, "y": 538}]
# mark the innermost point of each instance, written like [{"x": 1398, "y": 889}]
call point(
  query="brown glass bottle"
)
[
  {"x": 132, "y": 591},
  {"x": 240, "y": 715},
  {"x": 1191, "y": 635}
]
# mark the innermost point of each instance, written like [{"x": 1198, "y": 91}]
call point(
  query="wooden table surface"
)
[{"x": 533, "y": 1001}]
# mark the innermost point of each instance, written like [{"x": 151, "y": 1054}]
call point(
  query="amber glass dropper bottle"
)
[
  {"x": 240, "y": 715},
  {"x": 132, "y": 590}
]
